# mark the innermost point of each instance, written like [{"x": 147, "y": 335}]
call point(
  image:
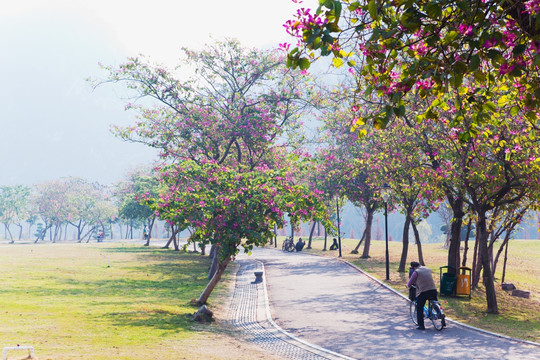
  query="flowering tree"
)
[
  {"x": 87, "y": 206},
  {"x": 238, "y": 104},
  {"x": 14, "y": 207},
  {"x": 221, "y": 131},
  {"x": 429, "y": 48},
  {"x": 492, "y": 173},
  {"x": 231, "y": 207},
  {"x": 352, "y": 162},
  {"x": 415, "y": 187},
  {"x": 72, "y": 201},
  {"x": 129, "y": 193}
]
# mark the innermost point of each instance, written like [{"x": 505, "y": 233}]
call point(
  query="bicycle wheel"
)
[
  {"x": 291, "y": 247},
  {"x": 436, "y": 316},
  {"x": 413, "y": 312},
  {"x": 284, "y": 246}
]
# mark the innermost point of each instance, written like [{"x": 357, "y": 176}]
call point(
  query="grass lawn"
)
[
  {"x": 66, "y": 302},
  {"x": 518, "y": 317}
]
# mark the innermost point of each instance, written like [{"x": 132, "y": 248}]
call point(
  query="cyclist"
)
[{"x": 425, "y": 290}]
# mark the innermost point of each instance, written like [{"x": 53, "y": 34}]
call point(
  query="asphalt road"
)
[{"x": 330, "y": 304}]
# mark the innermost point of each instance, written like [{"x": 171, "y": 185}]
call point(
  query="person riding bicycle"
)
[{"x": 425, "y": 290}]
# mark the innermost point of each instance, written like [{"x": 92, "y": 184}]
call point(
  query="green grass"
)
[
  {"x": 518, "y": 317},
  {"x": 66, "y": 301}
]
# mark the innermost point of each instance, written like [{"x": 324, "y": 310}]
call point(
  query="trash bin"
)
[
  {"x": 463, "y": 286},
  {"x": 448, "y": 280}
]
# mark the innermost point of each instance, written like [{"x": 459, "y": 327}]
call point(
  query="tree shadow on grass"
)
[{"x": 153, "y": 318}]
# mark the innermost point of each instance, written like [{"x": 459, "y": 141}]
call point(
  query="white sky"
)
[
  {"x": 51, "y": 124},
  {"x": 161, "y": 27}
]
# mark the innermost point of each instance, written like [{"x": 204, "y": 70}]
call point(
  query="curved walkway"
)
[{"x": 311, "y": 307}]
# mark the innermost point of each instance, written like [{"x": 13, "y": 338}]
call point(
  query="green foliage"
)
[
  {"x": 230, "y": 207},
  {"x": 428, "y": 48}
]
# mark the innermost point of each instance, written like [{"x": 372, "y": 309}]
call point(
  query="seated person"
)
[
  {"x": 335, "y": 245},
  {"x": 300, "y": 245}
]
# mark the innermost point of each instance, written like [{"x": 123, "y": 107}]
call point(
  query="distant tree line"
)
[{"x": 50, "y": 210}]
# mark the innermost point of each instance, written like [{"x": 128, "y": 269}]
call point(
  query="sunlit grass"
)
[
  {"x": 66, "y": 302},
  {"x": 518, "y": 317}
]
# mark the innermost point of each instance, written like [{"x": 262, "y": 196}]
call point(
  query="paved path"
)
[{"x": 331, "y": 305}]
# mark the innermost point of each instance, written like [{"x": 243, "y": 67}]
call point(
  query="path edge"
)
[
  {"x": 278, "y": 328},
  {"x": 522, "y": 341}
]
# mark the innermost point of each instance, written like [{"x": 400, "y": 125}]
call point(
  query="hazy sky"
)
[{"x": 51, "y": 124}]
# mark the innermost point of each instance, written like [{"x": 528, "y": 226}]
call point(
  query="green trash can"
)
[{"x": 448, "y": 280}]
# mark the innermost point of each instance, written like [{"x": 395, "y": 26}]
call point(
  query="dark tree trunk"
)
[
  {"x": 405, "y": 241},
  {"x": 213, "y": 282},
  {"x": 311, "y": 235},
  {"x": 325, "y": 238},
  {"x": 418, "y": 244},
  {"x": 214, "y": 255},
  {"x": 455, "y": 240},
  {"x": 503, "y": 246},
  {"x": 338, "y": 225},
  {"x": 275, "y": 236},
  {"x": 477, "y": 266},
  {"x": 355, "y": 251},
  {"x": 504, "y": 263},
  {"x": 466, "y": 250},
  {"x": 367, "y": 240},
  {"x": 491, "y": 297}
]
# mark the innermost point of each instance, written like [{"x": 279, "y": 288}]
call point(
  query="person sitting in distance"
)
[
  {"x": 300, "y": 245},
  {"x": 334, "y": 245}
]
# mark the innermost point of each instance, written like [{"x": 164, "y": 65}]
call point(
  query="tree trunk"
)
[
  {"x": 504, "y": 263},
  {"x": 176, "y": 241},
  {"x": 418, "y": 244},
  {"x": 20, "y": 231},
  {"x": 491, "y": 297},
  {"x": 455, "y": 240},
  {"x": 405, "y": 241},
  {"x": 172, "y": 239},
  {"x": 151, "y": 222},
  {"x": 466, "y": 250},
  {"x": 338, "y": 224},
  {"x": 214, "y": 255},
  {"x": 456, "y": 203},
  {"x": 213, "y": 282},
  {"x": 355, "y": 251},
  {"x": 477, "y": 267},
  {"x": 275, "y": 236},
  {"x": 111, "y": 229},
  {"x": 7, "y": 231},
  {"x": 367, "y": 241},
  {"x": 325, "y": 238},
  {"x": 504, "y": 245},
  {"x": 311, "y": 234}
]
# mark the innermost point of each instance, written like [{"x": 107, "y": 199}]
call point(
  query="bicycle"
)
[
  {"x": 288, "y": 245},
  {"x": 432, "y": 311}
]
